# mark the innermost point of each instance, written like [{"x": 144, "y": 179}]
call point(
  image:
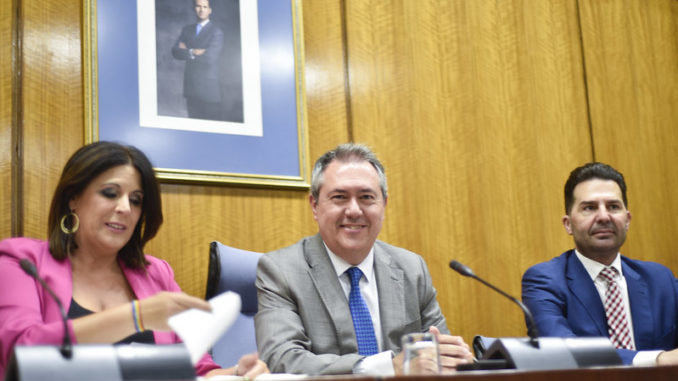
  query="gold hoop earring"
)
[{"x": 76, "y": 223}]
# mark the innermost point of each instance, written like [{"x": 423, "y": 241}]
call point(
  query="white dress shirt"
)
[
  {"x": 382, "y": 362},
  {"x": 593, "y": 268}
]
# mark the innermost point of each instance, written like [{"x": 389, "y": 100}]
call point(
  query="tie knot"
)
[
  {"x": 355, "y": 274},
  {"x": 608, "y": 274}
]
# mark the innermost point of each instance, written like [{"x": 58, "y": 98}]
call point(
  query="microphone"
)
[
  {"x": 531, "y": 326},
  {"x": 66, "y": 348}
]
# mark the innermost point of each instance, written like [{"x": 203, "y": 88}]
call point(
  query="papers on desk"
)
[
  {"x": 199, "y": 329},
  {"x": 280, "y": 377},
  {"x": 261, "y": 377}
]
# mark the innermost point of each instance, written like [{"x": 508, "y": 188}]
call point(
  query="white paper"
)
[
  {"x": 280, "y": 376},
  {"x": 199, "y": 329},
  {"x": 261, "y": 377}
]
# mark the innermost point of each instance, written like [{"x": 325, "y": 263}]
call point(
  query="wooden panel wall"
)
[
  {"x": 478, "y": 108},
  {"x": 6, "y": 118},
  {"x": 631, "y": 52},
  {"x": 52, "y": 102}
]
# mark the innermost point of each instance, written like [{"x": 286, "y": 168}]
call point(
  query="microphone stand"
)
[
  {"x": 66, "y": 348},
  {"x": 532, "y": 331},
  {"x": 544, "y": 353}
]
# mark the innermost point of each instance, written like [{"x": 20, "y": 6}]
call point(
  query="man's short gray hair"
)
[{"x": 346, "y": 152}]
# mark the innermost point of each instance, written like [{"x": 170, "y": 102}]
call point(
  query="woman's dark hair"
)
[{"x": 85, "y": 165}]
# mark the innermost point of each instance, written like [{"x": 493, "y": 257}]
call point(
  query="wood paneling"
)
[
  {"x": 478, "y": 111},
  {"x": 631, "y": 52},
  {"x": 325, "y": 76},
  {"x": 6, "y": 18},
  {"x": 52, "y": 102},
  {"x": 252, "y": 219}
]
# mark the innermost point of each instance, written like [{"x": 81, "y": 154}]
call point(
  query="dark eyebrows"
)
[{"x": 607, "y": 202}]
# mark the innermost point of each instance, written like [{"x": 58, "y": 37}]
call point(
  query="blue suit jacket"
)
[
  {"x": 201, "y": 74},
  {"x": 565, "y": 303}
]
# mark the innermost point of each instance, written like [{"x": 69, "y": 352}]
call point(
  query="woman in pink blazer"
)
[{"x": 105, "y": 208}]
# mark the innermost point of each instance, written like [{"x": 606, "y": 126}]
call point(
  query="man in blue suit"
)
[
  {"x": 200, "y": 45},
  {"x": 567, "y": 294}
]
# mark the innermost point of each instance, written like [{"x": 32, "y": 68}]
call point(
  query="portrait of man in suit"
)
[
  {"x": 338, "y": 302},
  {"x": 594, "y": 291},
  {"x": 200, "y": 45},
  {"x": 199, "y": 59}
]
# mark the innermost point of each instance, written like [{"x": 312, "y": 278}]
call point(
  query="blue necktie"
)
[
  {"x": 362, "y": 321},
  {"x": 197, "y": 29}
]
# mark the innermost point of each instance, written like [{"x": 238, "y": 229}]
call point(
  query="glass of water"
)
[{"x": 421, "y": 354}]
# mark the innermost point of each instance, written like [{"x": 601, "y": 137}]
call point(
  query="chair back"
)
[{"x": 232, "y": 269}]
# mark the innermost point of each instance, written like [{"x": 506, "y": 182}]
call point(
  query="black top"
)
[{"x": 146, "y": 337}]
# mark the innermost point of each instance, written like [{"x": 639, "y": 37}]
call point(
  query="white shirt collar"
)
[
  {"x": 593, "y": 267},
  {"x": 340, "y": 265}
]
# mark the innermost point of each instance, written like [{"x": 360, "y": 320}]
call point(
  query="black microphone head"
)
[
  {"x": 28, "y": 267},
  {"x": 66, "y": 348},
  {"x": 461, "y": 269}
]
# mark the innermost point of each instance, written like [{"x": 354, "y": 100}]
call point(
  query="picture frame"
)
[{"x": 136, "y": 63}]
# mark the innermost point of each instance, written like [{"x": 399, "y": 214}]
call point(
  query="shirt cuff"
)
[
  {"x": 380, "y": 364},
  {"x": 646, "y": 358}
]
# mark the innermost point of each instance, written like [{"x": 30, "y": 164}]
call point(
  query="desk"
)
[
  {"x": 659, "y": 373},
  {"x": 623, "y": 373}
]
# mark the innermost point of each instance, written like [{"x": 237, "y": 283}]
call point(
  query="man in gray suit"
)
[{"x": 305, "y": 324}]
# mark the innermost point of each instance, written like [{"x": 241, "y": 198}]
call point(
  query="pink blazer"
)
[{"x": 28, "y": 315}]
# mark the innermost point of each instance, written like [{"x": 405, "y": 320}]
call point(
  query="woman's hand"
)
[
  {"x": 157, "y": 309},
  {"x": 249, "y": 366}
]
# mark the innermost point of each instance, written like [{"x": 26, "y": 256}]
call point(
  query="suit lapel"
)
[
  {"x": 331, "y": 294},
  {"x": 641, "y": 311},
  {"x": 390, "y": 286},
  {"x": 199, "y": 39},
  {"x": 582, "y": 288}
]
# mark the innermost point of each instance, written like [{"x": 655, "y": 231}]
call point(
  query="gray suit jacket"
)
[{"x": 304, "y": 323}]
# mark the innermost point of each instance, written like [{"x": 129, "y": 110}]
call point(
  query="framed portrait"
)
[{"x": 211, "y": 90}]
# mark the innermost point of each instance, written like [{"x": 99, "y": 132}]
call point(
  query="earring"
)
[{"x": 76, "y": 223}]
